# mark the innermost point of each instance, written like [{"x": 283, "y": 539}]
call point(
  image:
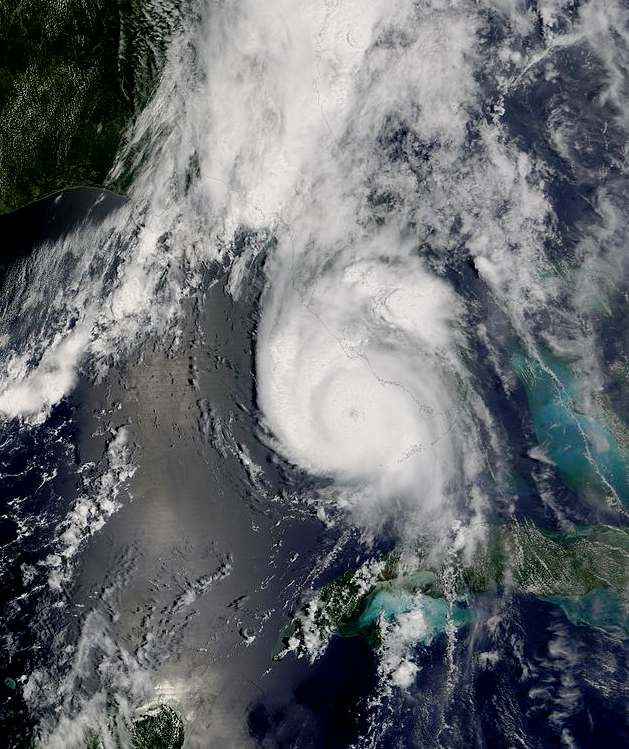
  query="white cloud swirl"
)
[{"x": 355, "y": 374}]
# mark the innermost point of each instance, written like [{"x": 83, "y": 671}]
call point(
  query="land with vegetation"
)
[{"x": 73, "y": 74}]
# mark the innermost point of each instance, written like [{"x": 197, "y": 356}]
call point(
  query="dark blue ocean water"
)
[{"x": 524, "y": 672}]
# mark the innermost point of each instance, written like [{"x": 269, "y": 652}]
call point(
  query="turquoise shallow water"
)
[
  {"x": 390, "y": 604},
  {"x": 600, "y": 608},
  {"x": 587, "y": 454},
  {"x": 387, "y": 604},
  {"x": 603, "y": 609}
]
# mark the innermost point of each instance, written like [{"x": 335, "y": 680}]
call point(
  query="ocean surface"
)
[{"x": 319, "y": 437}]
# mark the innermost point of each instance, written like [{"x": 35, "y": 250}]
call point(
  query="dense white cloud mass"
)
[
  {"x": 352, "y": 377},
  {"x": 358, "y": 350},
  {"x": 357, "y": 342}
]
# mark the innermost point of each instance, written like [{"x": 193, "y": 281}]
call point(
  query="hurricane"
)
[{"x": 314, "y": 413}]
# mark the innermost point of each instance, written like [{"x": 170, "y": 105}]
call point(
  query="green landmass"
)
[
  {"x": 529, "y": 560},
  {"x": 73, "y": 73},
  {"x": 157, "y": 726},
  {"x": 585, "y": 573}
]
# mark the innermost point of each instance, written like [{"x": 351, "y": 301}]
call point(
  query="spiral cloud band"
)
[{"x": 353, "y": 376}]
